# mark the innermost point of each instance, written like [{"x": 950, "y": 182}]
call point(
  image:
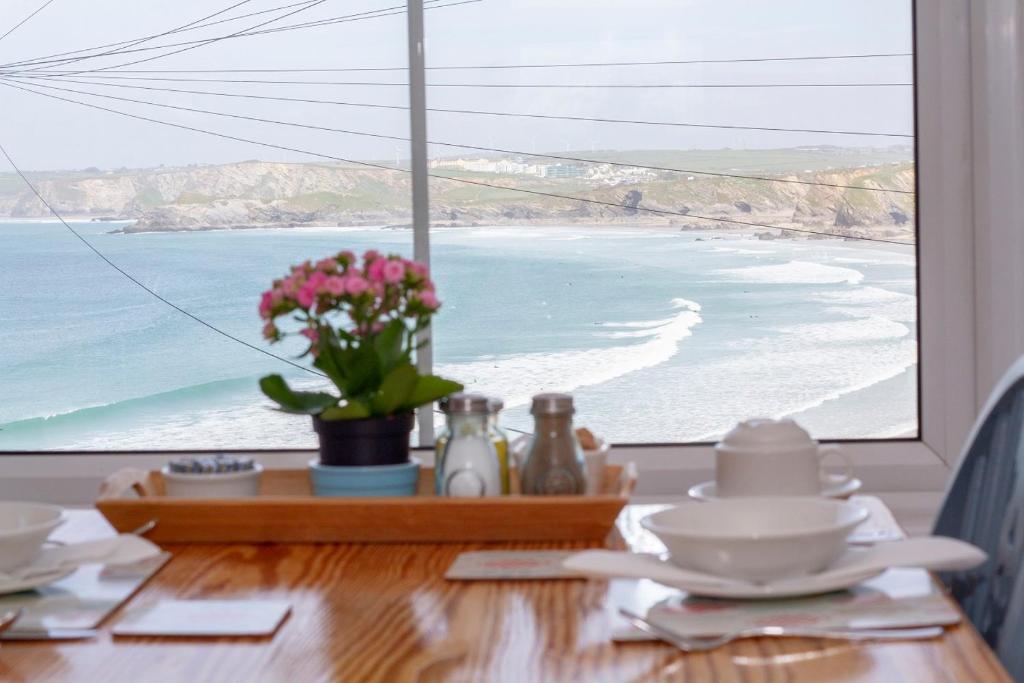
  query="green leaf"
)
[
  {"x": 330, "y": 359},
  {"x": 362, "y": 371},
  {"x": 388, "y": 345},
  {"x": 353, "y": 410},
  {"x": 395, "y": 390},
  {"x": 303, "y": 402},
  {"x": 430, "y": 388}
]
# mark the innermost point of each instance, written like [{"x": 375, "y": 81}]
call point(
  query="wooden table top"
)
[{"x": 384, "y": 613}]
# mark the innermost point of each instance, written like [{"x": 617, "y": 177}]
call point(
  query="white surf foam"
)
[
  {"x": 793, "y": 272},
  {"x": 518, "y": 377}
]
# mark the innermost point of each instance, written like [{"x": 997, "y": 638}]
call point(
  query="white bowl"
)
[
  {"x": 24, "y": 527},
  {"x": 757, "y": 539},
  {"x": 239, "y": 484}
]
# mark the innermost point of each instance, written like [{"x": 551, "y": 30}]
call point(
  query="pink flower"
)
[
  {"x": 417, "y": 268},
  {"x": 266, "y": 303},
  {"x": 335, "y": 285},
  {"x": 270, "y": 331},
  {"x": 327, "y": 265},
  {"x": 290, "y": 285},
  {"x": 393, "y": 271},
  {"x": 371, "y": 255},
  {"x": 429, "y": 299},
  {"x": 355, "y": 285},
  {"x": 316, "y": 280},
  {"x": 306, "y": 295},
  {"x": 375, "y": 271},
  {"x": 312, "y": 335}
]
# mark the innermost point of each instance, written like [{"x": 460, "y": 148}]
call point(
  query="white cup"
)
[{"x": 765, "y": 457}]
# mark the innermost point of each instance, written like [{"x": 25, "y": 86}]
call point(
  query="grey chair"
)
[{"x": 985, "y": 506}]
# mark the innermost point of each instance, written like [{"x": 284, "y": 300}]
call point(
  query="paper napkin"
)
[{"x": 211, "y": 618}]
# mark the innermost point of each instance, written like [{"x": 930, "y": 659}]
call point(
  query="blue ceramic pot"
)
[{"x": 365, "y": 481}]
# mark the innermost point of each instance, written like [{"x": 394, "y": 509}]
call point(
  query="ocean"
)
[{"x": 662, "y": 336}]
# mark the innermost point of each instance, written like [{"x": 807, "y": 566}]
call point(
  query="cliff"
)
[{"x": 261, "y": 194}]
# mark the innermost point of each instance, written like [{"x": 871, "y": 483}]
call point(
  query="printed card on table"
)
[{"x": 510, "y": 564}]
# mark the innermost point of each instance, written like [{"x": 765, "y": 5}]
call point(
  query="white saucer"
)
[
  {"x": 609, "y": 564},
  {"x": 837, "y": 488},
  {"x": 18, "y": 585}
]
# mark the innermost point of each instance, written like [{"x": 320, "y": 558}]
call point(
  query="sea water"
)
[{"x": 661, "y": 335}]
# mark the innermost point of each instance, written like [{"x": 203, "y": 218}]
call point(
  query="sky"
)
[{"x": 47, "y": 134}]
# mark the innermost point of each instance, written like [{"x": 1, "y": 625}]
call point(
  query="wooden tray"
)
[{"x": 287, "y": 512}]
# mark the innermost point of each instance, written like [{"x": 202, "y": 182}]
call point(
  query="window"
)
[{"x": 606, "y": 197}]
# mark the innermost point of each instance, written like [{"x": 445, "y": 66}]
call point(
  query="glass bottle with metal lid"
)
[
  {"x": 469, "y": 466},
  {"x": 554, "y": 464},
  {"x": 443, "y": 434},
  {"x": 500, "y": 440}
]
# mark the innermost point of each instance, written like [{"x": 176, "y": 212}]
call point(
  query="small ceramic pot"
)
[
  {"x": 212, "y": 484},
  {"x": 372, "y": 481}
]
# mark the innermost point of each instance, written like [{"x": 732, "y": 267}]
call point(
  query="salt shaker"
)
[
  {"x": 470, "y": 466},
  {"x": 554, "y": 464}
]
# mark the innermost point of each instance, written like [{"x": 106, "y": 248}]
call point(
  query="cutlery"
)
[
  {"x": 144, "y": 529},
  {"x": 50, "y": 634},
  {"x": 703, "y": 644}
]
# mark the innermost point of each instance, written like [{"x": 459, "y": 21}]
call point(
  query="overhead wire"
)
[
  {"x": 556, "y": 117},
  {"x": 191, "y": 44},
  {"x": 141, "y": 39},
  {"x": 26, "y": 19},
  {"x": 498, "y": 150},
  {"x": 564, "y": 86},
  {"x": 307, "y": 6},
  {"x": 465, "y": 181},
  {"x": 453, "y": 67},
  {"x": 138, "y": 282}
]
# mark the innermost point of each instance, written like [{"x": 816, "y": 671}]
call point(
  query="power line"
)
[
  {"x": 461, "y": 67},
  {"x": 183, "y": 27},
  {"x": 497, "y": 85},
  {"x": 464, "y": 181},
  {"x": 466, "y": 146},
  {"x": 359, "y": 16},
  {"x": 138, "y": 283},
  {"x": 23, "y": 21},
  {"x": 556, "y": 117},
  {"x": 306, "y": 6},
  {"x": 141, "y": 39}
]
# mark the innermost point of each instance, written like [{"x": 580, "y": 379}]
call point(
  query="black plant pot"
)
[{"x": 366, "y": 441}]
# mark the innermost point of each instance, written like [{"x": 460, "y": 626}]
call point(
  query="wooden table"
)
[{"x": 384, "y": 613}]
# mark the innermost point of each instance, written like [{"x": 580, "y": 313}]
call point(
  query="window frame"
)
[{"x": 948, "y": 293}]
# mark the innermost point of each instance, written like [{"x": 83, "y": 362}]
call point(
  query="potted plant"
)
[{"x": 361, "y": 320}]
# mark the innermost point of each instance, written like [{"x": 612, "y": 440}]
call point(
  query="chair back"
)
[{"x": 985, "y": 506}]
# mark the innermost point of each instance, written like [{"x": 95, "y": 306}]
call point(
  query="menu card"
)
[{"x": 510, "y": 564}]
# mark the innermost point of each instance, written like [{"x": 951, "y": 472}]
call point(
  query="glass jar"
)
[
  {"x": 500, "y": 440},
  {"x": 443, "y": 434},
  {"x": 469, "y": 463},
  {"x": 554, "y": 464}
]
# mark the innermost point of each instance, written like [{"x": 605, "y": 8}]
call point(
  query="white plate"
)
[
  {"x": 837, "y": 488},
  {"x": 19, "y": 585},
  {"x": 609, "y": 564}
]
